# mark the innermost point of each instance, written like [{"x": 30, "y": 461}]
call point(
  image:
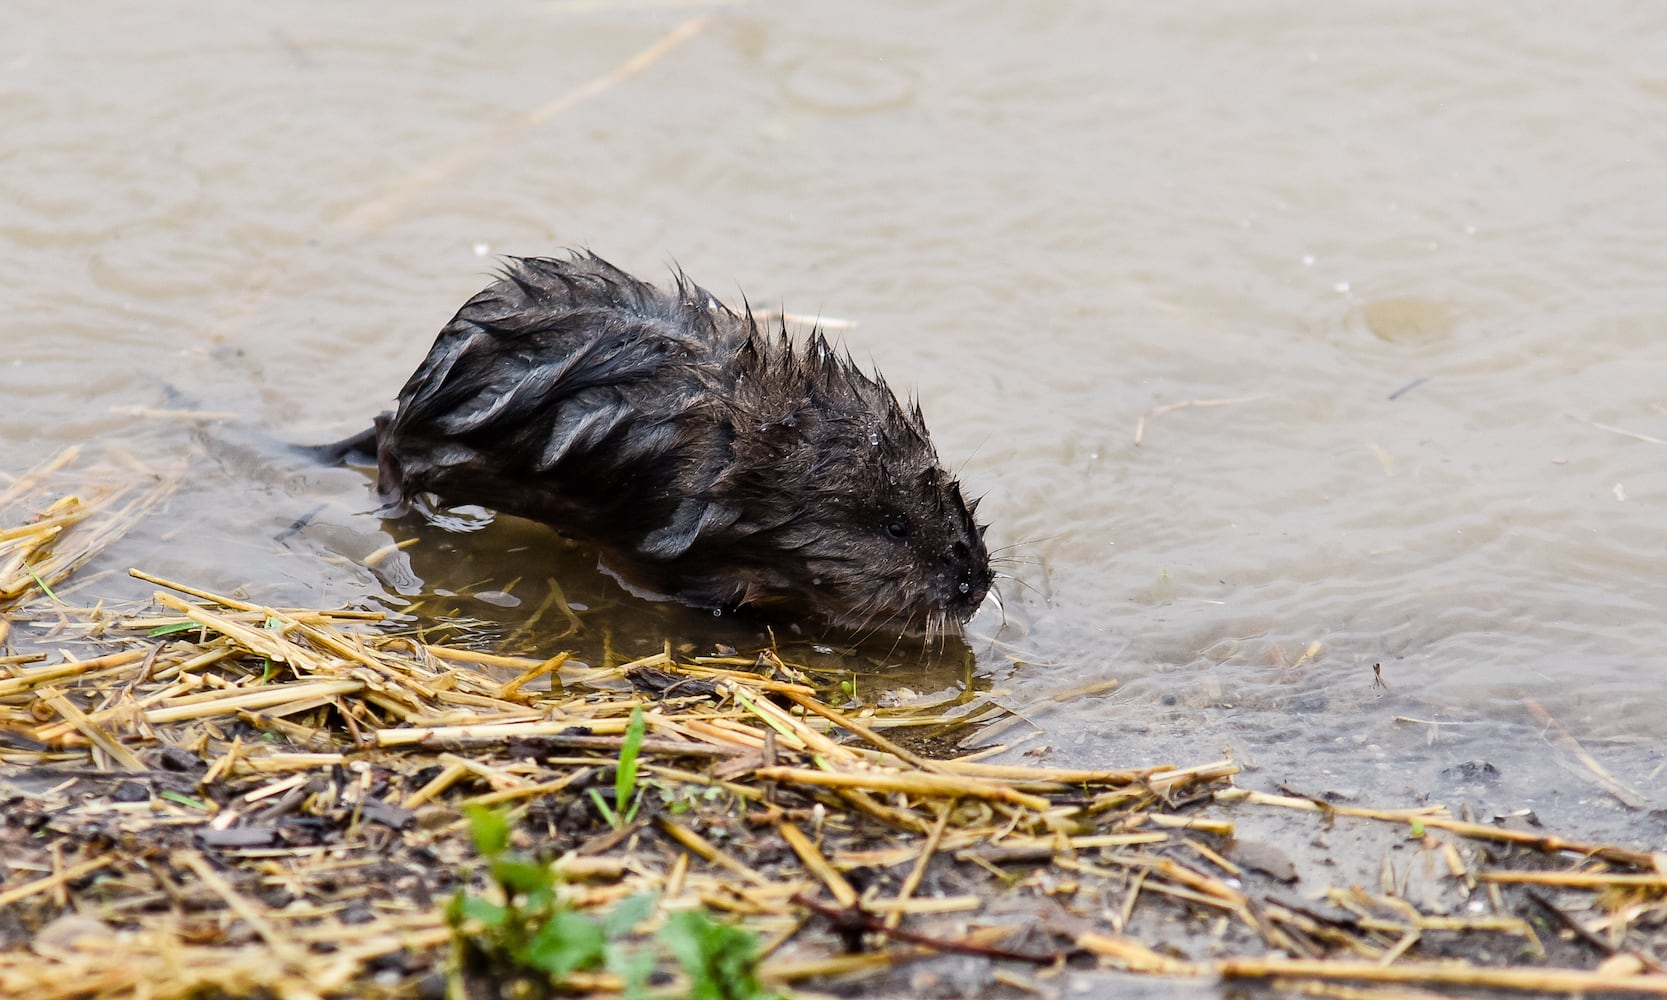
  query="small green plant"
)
[
  {"x": 162, "y": 630},
  {"x": 679, "y": 799},
  {"x": 41, "y": 583},
  {"x": 718, "y": 959},
  {"x": 531, "y": 934},
  {"x": 530, "y": 930},
  {"x": 183, "y": 799},
  {"x": 625, "y": 776}
]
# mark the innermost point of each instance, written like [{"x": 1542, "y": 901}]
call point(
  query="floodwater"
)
[{"x": 1310, "y": 357}]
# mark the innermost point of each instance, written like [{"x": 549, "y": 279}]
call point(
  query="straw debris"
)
[{"x": 208, "y": 796}]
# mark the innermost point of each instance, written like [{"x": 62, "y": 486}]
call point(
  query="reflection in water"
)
[{"x": 465, "y": 577}]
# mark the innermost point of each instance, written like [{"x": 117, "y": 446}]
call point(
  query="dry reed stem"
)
[
  {"x": 89, "y": 729},
  {"x": 1538, "y": 981},
  {"x": 931, "y": 785},
  {"x": 1622, "y": 792},
  {"x": 818, "y": 864}
]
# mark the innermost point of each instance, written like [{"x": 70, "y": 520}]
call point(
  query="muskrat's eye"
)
[{"x": 897, "y": 528}]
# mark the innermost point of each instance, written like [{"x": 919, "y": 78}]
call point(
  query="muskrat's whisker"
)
[
  {"x": 870, "y": 609},
  {"x": 929, "y": 632},
  {"x": 1016, "y": 560},
  {"x": 900, "y": 622},
  {"x": 1021, "y": 581},
  {"x": 975, "y": 450},
  {"x": 1027, "y": 541},
  {"x": 899, "y": 631},
  {"x": 897, "y": 642}
]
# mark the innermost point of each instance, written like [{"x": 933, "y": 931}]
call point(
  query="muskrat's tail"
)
[
  {"x": 364, "y": 448},
  {"x": 360, "y": 449}
]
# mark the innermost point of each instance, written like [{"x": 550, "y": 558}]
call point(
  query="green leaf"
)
[
  {"x": 634, "y": 965},
  {"x": 474, "y": 909},
  {"x": 625, "y": 778},
  {"x": 566, "y": 942},
  {"x": 628, "y": 913},
  {"x": 519, "y": 877},
  {"x": 37, "y": 578},
  {"x": 602, "y": 807},
  {"x": 717, "y": 958},
  {"x": 489, "y": 829},
  {"x": 542, "y": 899},
  {"x": 186, "y": 800},
  {"x": 162, "y": 630}
]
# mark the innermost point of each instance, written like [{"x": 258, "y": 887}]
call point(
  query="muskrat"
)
[{"x": 708, "y": 460}]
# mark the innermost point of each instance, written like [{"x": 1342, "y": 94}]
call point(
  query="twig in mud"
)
[
  {"x": 851, "y": 919},
  {"x": 1573, "y": 926}
]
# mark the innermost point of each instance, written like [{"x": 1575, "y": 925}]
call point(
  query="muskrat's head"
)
[{"x": 845, "y": 511}]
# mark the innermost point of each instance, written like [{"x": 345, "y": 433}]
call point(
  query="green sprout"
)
[{"x": 625, "y": 777}]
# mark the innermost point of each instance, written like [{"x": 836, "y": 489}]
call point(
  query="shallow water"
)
[{"x": 1285, "y": 342}]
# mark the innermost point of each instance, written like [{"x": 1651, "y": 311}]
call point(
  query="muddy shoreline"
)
[{"x": 205, "y": 794}]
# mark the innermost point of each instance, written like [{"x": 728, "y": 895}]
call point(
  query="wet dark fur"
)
[{"x": 709, "y": 460}]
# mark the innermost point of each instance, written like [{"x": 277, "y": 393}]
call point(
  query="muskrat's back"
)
[{"x": 709, "y": 461}]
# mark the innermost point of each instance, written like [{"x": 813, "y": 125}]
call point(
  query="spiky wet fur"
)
[{"x": 711, "y": 461}]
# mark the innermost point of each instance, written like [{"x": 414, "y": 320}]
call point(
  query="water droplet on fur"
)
[
  {"x": 874, "y": 437},
  {"x": 965, "y": 587}
]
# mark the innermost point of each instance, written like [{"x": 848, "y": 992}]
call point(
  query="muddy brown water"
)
[{"x": 1410, "y": 256}]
